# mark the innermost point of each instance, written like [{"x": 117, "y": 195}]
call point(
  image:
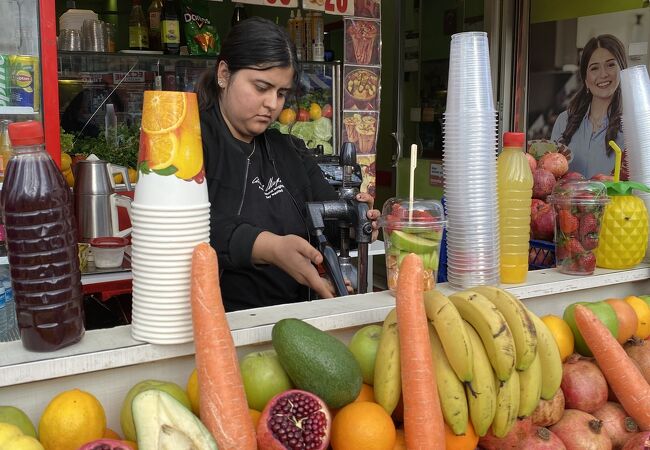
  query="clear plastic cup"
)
[
  {"x": 635, "y": 89},
  {"x": 415, "y": 228},
  {"x": 579, "y": 207}
]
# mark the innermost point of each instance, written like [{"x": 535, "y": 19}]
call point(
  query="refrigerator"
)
[{"x": 28, "y": 66}]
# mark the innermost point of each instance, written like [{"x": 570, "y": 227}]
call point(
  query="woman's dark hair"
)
[
  {"x": 254, "y": 43},
  {"x": 580, "y": 103}
]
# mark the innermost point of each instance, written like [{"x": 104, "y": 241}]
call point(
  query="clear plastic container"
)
[
  {"x": 108, "y": 252},
  {"x": 515, "y": 188},
  {"x": 418, "y": 231},
  {"x": 579, "y": 208},
  {"x": 41, "y": 244}
]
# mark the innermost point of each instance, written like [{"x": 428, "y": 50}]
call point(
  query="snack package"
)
[{"x": 200, "y": 34}]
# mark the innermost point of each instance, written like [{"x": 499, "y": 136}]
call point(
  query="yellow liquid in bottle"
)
[{"x": 515, "y": 188}]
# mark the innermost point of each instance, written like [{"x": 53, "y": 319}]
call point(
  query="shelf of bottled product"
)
[{"x": 107, "y": 362}]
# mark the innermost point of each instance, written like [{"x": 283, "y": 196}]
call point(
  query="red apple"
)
[
  {"x": 327, "y": 111},
  {"x": 303, "y": 115}
]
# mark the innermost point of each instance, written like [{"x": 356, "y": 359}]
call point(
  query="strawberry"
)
[
  {"x": 588, "y": 224},
  {"x": 573, "y": 247},
  {"x": 568, "y": 222},
  {"x": 589, "y": 241},
  {"x": 587, "y": 262}
]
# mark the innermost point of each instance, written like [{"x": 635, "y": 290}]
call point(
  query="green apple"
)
[
  {"x": 363, "y": 346},
  {"x": 126, "y": 414},
  {"x": 412, "y": 243},
  {"x": 15, "y": 416},
  {"x": 263, "y": 377},
  {"x": 605, "y": 314}
]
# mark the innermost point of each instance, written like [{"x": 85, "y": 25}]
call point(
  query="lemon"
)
[
  {"x": 133, "y": 175},
  {"x": 193, "y": 391},
  {"x": 287, "y": 116},
  {"x": 189, "y": 157},
  {"x": 66, "y": 161},
  {"x": 163, "y": 111},
  {"x": 315, "y": 111},
  {"x": 70, "y": 420}
]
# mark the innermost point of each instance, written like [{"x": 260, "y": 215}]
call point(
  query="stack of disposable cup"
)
[
  {"x": 469, "y": 165},
  {"x": 635, "y": 87},
  {"x": 170, "y": 215}
]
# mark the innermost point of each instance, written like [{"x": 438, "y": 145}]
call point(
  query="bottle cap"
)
[
  {"x": 26, "y": 133},
  {"x": 512, "y": 139}
]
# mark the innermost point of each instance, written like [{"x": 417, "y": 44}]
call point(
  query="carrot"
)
[
  {"x": 423, "y": 422},
  {"x": 622, "y": 374},
  {"x": 222, "y": 399}
]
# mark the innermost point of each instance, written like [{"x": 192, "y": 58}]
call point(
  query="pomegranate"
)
[
  {"x": 640, "y": 441},
  {"x": 542, "y": 439},
  {"x": 294, "y": 419},
  {"x": 532, "y": 162},
  {"x": 510, "y": 441},
  {"x": 577, "y": 176},
  {"x": 583, "y": 384},
  {"x": 549, "y": 412},
  {"x": 543, "y": 183},
  {"x": 106, "y": 444},
  {"x": 581, "y": 431},
  {"x": 542, "y": 220},
  {"x": 618, "y": 425},
  {"x": 602, "y": 177},
  {"x": 639, "y": 351},
  {"x": 556, "y": 163}
]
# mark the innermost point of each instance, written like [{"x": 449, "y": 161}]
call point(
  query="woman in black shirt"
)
[{"x": 258, "y": 179}]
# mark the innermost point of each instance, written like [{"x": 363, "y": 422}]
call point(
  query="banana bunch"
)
[{"x": 494, "y": 359}]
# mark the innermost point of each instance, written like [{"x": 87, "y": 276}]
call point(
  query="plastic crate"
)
[{"x": 541, "y": 255}]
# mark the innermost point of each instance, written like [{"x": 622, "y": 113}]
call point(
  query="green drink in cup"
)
[{"x": 412, "y": 227}]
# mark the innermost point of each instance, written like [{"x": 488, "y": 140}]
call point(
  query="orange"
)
[
  {"x": 193, "y": 391},
  {"x": 287, "y": 116},
  {"x": 133, "y": 175},
  {"x": 162, "y": 150},
  {"x": 467, "y": 441},
  {"x": 315, "y": 111},
  {"x": 110, "y": 434},
  {"x": 400, "y": 443},
  {"x": 642, "y": 311},
  {"x": 163, "y": 111},
  {"x": 71, "y": 419},
  {"x": 366, "y": 394},
  {"x": 561, "y": 333},
  {"x": 363, "y": 425},
  {"x": 255, "y": 416}
]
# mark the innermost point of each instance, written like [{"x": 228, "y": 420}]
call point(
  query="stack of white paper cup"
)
[
  {"x": 635, "y": 89},
  {"x": 469, "y": 165},
  {"x": 170, "y": 215}
]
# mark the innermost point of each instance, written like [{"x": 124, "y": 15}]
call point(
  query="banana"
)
[
  {"x": 387, "y": 383},
  {"x": 530, "y": 388},
  {"x": 492, "y": 327},
  {"x": 450, "y": 389},
  {"x": 549, "y": 357},
  {"x": 520, "y": 324},
  {"x": 449, "y": 326},
  {"x": 507, "y": 406},
  {"x": 481, "y": 391}
]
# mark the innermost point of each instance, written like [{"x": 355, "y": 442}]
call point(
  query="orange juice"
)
[{"x": 515, "y": 189}]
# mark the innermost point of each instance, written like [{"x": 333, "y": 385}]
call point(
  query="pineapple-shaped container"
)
[{"x": 624, "y": 230}]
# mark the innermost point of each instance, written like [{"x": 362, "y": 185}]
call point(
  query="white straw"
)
[{"x": 414, "y": 163}]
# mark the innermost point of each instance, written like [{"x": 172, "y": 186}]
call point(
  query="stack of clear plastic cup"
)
[
  {"x": 170, "y": 215},
  {"x": 635, "y": 89},
  {"x": 469, "y": 165}
]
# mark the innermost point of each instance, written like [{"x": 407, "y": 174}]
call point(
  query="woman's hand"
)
[
  {"x": 373, "y": 214},
  {"x": 295, "y": 256}
]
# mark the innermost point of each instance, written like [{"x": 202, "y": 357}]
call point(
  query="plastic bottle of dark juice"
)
[{"x": 41, "y": 244}]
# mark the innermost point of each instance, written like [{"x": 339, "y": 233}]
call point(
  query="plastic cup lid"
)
[
  {"x": 109, "y": 242},
  {"x": 426, "y": 212},
  {"x": 587, "y": 192}
]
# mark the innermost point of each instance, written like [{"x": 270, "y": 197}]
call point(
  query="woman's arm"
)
[{"x": 559, "y": 126}]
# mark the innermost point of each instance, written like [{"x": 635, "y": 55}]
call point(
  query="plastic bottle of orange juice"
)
[{"x": 515, "y": 188}]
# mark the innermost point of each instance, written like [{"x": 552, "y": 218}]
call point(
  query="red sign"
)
[
  {"x": 278, "y": 3},
  {"x": 337, "y": 7}
]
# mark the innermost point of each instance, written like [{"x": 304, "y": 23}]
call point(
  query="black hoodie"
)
[{"x": 282, "y": 176}]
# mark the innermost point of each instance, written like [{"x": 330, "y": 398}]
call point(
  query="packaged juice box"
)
[
  {"x": 5, "y": 88},
  {"x": 25, "y": 81}
]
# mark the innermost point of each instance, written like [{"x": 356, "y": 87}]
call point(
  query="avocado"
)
[
  {"x": 162, "y": 422},
  {"x": 317, "y": 362},
  {"x": 412, "y": 243}
]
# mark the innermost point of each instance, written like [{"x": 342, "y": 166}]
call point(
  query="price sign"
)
[
  {"x": 337, "y": 7},
  {"x": 278, "y": 3}
]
